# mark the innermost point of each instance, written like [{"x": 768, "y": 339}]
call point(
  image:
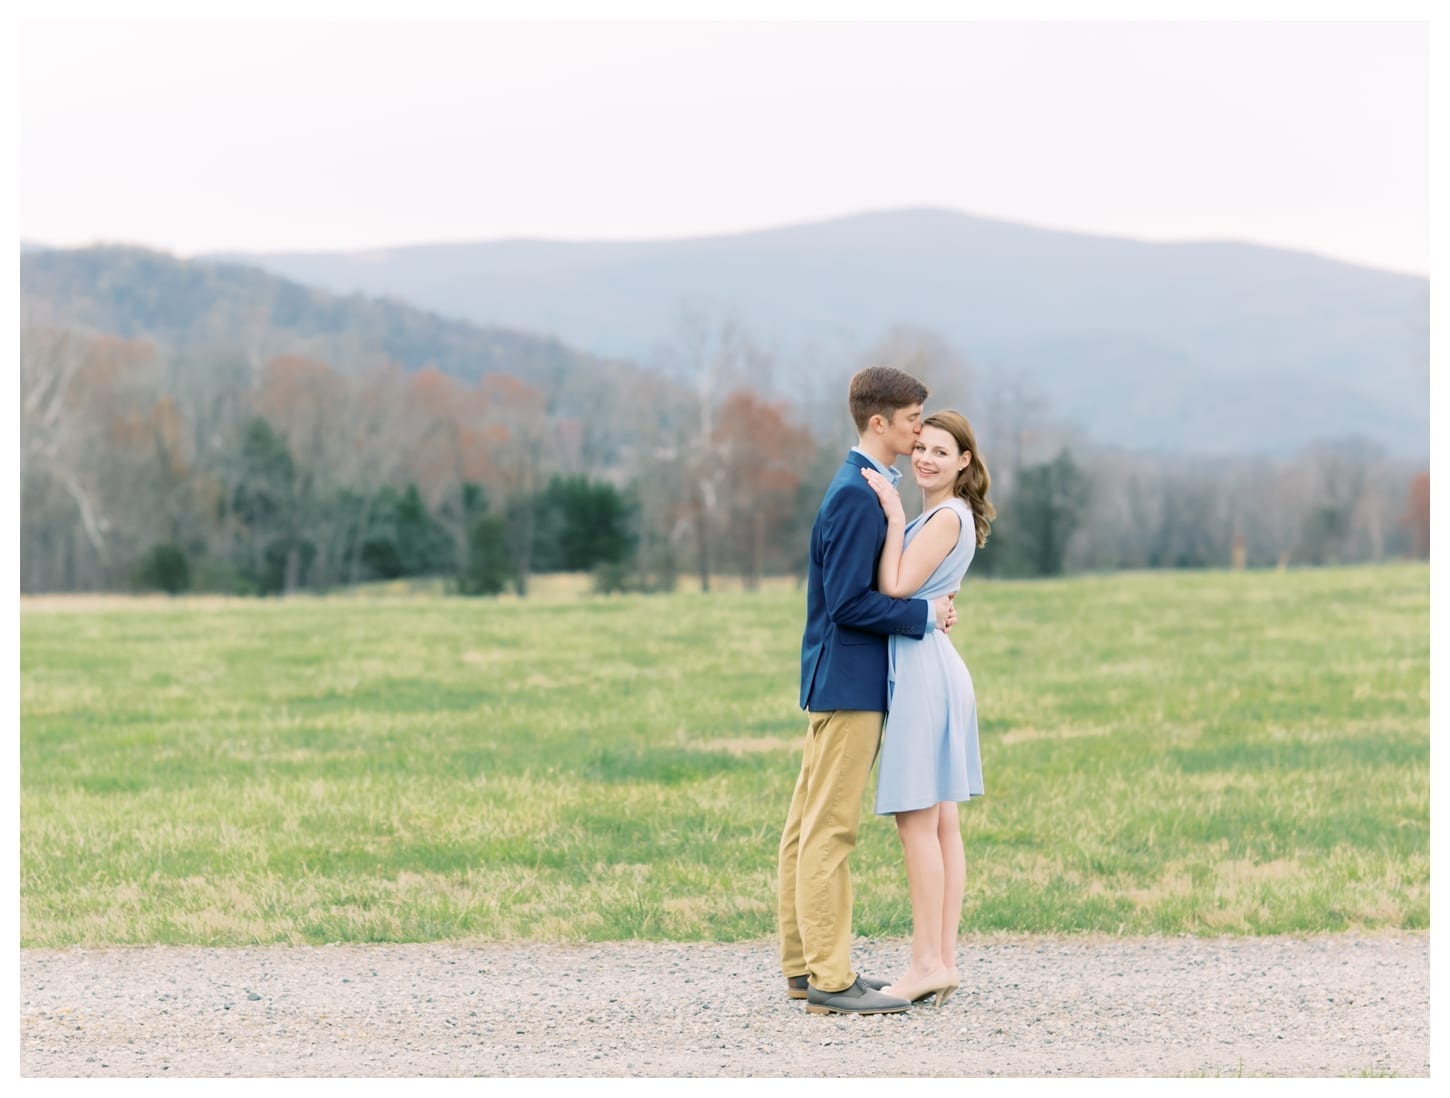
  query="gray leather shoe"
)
[
  {"x": 856, "y": 999},
  {"x": 795, "y": 986}
]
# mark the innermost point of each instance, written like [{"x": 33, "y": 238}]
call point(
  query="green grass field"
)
[{"x": 1197, "y": 753}]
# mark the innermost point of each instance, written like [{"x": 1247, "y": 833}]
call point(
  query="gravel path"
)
[{"x": 1028, "y": 1007}]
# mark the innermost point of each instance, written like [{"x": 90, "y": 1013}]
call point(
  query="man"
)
[{"x": 843, "y": 690}]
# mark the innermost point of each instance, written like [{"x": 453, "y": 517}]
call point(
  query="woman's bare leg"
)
[
  {"x": 922, "y": 849},
  {"x": 954, "y": 882}
]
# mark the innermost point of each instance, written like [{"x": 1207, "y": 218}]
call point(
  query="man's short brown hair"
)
[{"x": 882, "y": 390}]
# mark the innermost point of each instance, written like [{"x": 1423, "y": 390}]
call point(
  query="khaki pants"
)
[{"x": 820, "y": 832}]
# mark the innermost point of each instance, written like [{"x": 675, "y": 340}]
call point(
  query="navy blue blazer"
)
[{"x": 843, "y": 650}]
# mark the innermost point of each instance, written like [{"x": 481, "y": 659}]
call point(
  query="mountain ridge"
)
[
  {"x": 1207, "y": 347},
  {"x": 211, "y": 316},
  {"x": 385, "y": 250},
  {"x": 997, "y": 290}
]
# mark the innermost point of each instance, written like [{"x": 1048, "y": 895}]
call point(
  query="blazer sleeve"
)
[{"x": 848, "y": 571}]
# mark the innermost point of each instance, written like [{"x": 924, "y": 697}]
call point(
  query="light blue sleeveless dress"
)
[{"x": 929, "y": 748}]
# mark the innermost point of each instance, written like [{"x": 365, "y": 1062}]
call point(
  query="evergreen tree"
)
[
  {"x": 1044, "y": 510},
  {"x": 581, "y": 524}
]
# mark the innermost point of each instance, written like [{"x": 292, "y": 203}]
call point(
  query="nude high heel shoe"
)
[
  {"x": 946, "y": 993},
  {"x": 922, "y": 994}
]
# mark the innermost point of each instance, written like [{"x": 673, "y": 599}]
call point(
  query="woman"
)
[{"x": 930, "y": 759}]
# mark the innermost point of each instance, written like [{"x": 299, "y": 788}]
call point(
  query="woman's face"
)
[{"x": 936, "y": 461}]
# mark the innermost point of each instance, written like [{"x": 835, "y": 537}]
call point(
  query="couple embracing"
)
[{"x": 879, "y": 674}]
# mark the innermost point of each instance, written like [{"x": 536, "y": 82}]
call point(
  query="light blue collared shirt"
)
[
  {"x": 893, "y": 474},
  {"x": 890, "y": 472}
]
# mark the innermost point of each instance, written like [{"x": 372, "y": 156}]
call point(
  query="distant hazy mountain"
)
[
  {"x": 1211, "y": 347},
  {"x": 136, "y": 293}
]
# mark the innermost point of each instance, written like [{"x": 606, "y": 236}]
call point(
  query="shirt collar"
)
[{"x": 890, "y": 472}]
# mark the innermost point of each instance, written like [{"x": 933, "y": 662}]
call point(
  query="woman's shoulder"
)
[
  {"x": 955, "y": 505},
  {"x": 964, "y": 529},
  {"x": 962, "y": 508}
]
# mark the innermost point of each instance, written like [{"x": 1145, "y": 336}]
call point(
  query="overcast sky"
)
[{"x": 300, "y": 136}]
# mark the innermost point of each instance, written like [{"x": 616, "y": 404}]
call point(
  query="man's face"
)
[{"x": 903, "y": 428}]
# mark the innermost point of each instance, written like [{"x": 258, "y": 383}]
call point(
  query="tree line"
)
[{"x": 218, "y": 468}]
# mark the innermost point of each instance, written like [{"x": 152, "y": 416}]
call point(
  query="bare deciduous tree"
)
[{"x": 711, "y": 355}]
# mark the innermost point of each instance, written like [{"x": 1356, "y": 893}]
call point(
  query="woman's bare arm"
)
[{"x": 902, "y": 571}]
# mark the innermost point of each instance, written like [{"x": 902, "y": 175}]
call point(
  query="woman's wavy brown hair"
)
[{"x": 974, "y": 480}]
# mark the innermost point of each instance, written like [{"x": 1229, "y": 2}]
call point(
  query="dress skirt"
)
[{"x": 929, "y": 748}]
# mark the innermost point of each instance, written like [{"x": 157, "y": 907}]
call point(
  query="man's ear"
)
[{"x": 878, "y": 423}]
